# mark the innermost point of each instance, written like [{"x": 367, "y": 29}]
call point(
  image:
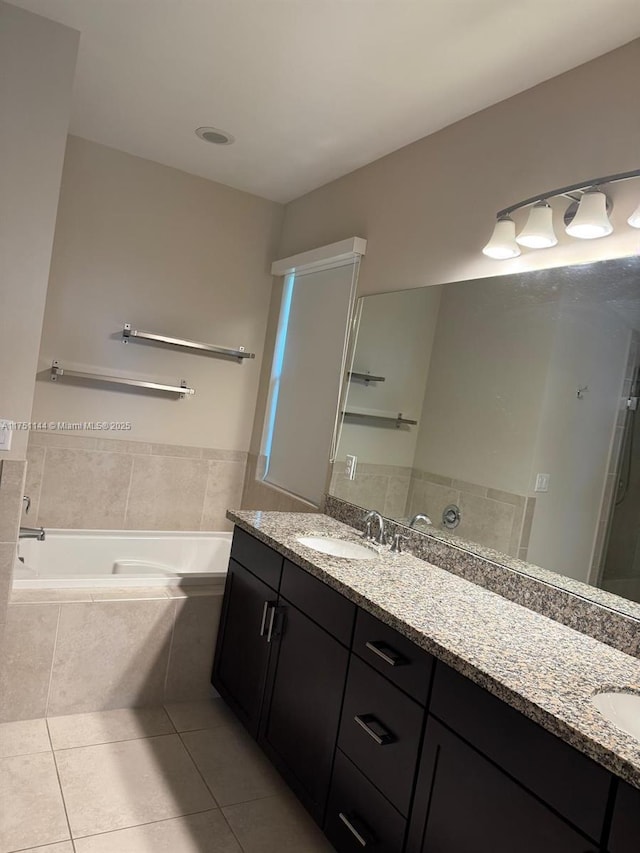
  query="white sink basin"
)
[
  {"x": 621, "y": 709},
  {"x": 338, "y": 547}
]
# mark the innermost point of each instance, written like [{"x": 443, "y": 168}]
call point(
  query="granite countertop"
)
[{"x": 538, "y": 666}]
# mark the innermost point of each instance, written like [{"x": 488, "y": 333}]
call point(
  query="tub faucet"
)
[
  {"x": 420, "y": 516},
  {"x": 32, "y": 533},
  {"x": 369, "y": 518}
]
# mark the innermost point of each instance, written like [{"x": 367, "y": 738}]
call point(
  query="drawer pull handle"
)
[
  {"x": 388, "y": 655},
  {"x": 374, "y": 729},
  {"x": 359, "y": 838}
]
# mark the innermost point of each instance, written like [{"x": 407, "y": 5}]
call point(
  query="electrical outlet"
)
[
  {"x": 350, "y": 467},
  {"x": 542, "y": 482},
  {"x": 5, "y": 434}
]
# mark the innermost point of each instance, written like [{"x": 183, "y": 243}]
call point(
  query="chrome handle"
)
[
  {"x": 382, "y": 737},
  {"x": 27, "y": 501},
  {"x": 263, "y": 624},
  {"x": 359, "y": 838},
  {"x": 272, "y": 617},
  {"x": 391, "y": 657}
]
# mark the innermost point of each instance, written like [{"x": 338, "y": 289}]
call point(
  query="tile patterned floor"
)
[{"x": 183, "y": 779}]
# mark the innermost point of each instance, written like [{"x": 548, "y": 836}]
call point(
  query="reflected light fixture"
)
[
  {"x": 538, "y": 233},
  {"x": 502, "y": 244},
  {"x": 586, "y": 217}
]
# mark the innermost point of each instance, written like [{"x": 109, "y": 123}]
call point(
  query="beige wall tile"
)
[
  {"x": 506, "y": 497},
  {"x": 225, "y": 455},
  {"x": 431, "y": 498},
  {"x": 395, "y": 502},
  {"x": 116, "y": 785},
  {"x": 33, "y": 482},
  {"x": 486, "y": 522},
  {"x": 527, "y": 524},
  {"x": 84, "y": 489},
  {"x": 113, "y": 445},
  {"x": 367, "y": 490},
  {"x": 224, "y": 491},
  {"x": 7, "y": 557},
  {"x": 515, "y": 542},
  {"x": 12, "y": 473},
  {"x": 166, "y": 493},
  {"x": 73, "y": 441},
  {"x": 176, "y": 450},
  {"x": 32, "y": 811},
  {"x": 471, "y": 488},
  {"x": 25, "y": 666},
  {"x": 192, "y": 648},
  {"x": 110, "y": 654}
]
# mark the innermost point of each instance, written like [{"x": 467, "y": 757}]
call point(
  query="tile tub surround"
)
[
  {"x": 83, "y": 482},
  {"x": 12, "y": 474},
  {"x": 69, "y": 651},
  {"x": 596, "y": 612},
  {"x": 542, "y": 668}
]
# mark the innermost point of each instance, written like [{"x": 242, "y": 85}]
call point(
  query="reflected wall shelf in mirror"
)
[
  {"x": 394, "y": 418},
  {"x": 365, "y": 377},
  {"x": 238, "y": 353},
  {"x": 489, "y": 369},
  {"x": 60, "y": 372}
]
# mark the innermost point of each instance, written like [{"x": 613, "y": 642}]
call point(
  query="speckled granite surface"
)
[
  {"x": 600, "y": 614},
  {"x": 544, "y": 669}
]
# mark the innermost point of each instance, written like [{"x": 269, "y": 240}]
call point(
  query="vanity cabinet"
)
[
  {"x": 625, "y": 825},
  {"x": 390, "y": 750}
]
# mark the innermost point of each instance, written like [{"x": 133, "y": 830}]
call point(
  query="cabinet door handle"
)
[
  {"x": 388, "y": 655},
  {"x": 265, "y": 611},
  {"x": 374, "y": 729},
  {"x": 272, "y": 617},
  {"x": 357, "y": 835}
]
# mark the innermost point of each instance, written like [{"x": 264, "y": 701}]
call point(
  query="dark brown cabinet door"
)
[
  {"x": 243, "y": 646},
  {"x": 465, "y": 804},
  {"x": 302, "y": 709},
  {"x": 625, "y": 827}
]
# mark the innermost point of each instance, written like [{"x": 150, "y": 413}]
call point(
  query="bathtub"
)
[{"x": 89, "y": 559}]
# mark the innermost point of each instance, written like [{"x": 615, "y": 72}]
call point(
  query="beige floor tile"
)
[
  {"x": 32, "y": 812},
  {"x": 233, "y": 766},
  {"x": 207, "y": 832},
  {"x": 108, "y": 727},
  {"x": 24, "y": 738},
  {"x": 117, "y": 785},
  {"x": 192, "y": 716},
  {"x": 63, "y": 847},
  {"x": 276, "y": 825}
]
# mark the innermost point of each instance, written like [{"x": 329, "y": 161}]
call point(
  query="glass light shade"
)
[
  {"x": 634, "y": 219},
  {"x": 591, "y": 220},
  {"x": 502, "y": 244},
  {"x": 538, "y": 233}
]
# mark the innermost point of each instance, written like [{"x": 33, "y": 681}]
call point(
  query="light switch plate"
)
[
  {"x": 542, "y": 482},
  {"x": 350, "y": 467},
  {"x": 5, "y": 434}
]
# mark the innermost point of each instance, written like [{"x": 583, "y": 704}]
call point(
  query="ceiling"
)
[{"x": 311, "y": 89}]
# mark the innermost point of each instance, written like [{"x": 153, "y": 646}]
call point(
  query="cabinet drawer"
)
[
  {"x": 380, "y": 732},
  {"x": 262, "y": 561},
  {"x": 324, "y": 605},
  {"x": 396, "y": 657},
  {"x": 557, "y": 773},
  {"x": 358, "y": 816},
  {"x": 625, "y": 827}
]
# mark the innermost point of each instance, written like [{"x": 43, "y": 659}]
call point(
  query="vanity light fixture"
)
[{"x": 586, "y": 217}]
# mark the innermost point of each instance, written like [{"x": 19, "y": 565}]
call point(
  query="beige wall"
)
[
  {"x": 170, "y": 253},
  {"x": 37, "y": 62},
  {"x": 427, "y": 209}
]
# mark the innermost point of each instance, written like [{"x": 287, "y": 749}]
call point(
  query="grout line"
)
[
  {"x": 126, "y": 502},
  {"x": 206, "y": 492},
  {"x": 197, "y": 769},
  {"x": 146, "y": 823},
  {"x": 64, "y": 802},
  {"x": 53, "y": 659}
]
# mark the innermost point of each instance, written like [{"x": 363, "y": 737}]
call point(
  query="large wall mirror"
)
[{"x": 506, "y": 411}]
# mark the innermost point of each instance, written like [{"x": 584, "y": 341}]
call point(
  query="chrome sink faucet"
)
[{"x": 369, "y": 519}]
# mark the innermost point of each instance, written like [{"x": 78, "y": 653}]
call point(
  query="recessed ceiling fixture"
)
[
  {"x": 586, "y": 218},
  {"x": 215, "y": 135}
]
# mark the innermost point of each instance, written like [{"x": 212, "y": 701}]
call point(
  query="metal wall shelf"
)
[
  {"x": 57, "y": 372},
  {"x": 396, "y": 419},
  {"x": 209, "y": 349},
  {"x": 365, "y": 377}
]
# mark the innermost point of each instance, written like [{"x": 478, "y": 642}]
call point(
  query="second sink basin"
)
[
  {"x": 621, "y": 709},
  {"x": 338, "y": 547}
]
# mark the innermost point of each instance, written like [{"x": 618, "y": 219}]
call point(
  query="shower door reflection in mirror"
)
[{"x": 506, "y": 411}]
